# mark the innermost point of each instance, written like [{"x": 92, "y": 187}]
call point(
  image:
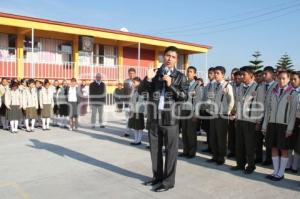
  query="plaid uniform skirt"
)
[
  {"x": 14, "y": 113},
  {"x": 276, "y": 135},
  {"x": 31, "y": 113},
  {"x": 46, "y": 111}
]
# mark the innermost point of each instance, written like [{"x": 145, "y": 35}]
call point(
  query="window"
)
[{"x": 105, "y": 55}]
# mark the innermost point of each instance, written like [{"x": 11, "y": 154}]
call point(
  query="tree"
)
[
  {"x": 256, "y": 63},
  {"x": 285, "y": 62}
]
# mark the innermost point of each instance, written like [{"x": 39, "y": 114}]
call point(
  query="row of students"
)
[
  {"x": 245, "y": 114},
  {"x": 32, "y": 101}
]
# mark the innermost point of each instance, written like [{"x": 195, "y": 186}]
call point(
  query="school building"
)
[{"x": 39, "y": 48}]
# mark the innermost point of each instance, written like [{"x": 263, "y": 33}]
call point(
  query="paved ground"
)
[{"x": 89, "y": 164}]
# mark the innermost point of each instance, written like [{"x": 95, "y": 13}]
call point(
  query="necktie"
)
[
  {"x": 267, "y": 86},
  {"x": 281, "y": 91},
  {"x": 245, "y": 89}
]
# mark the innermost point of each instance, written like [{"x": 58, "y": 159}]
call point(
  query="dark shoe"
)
[
  {"x": 294, "y": 171},
  {"x": 249, "y": 170},
  {"x": 211, "y": 160},
  {"x": 267, "y": 163},
  {"x": 182, "y": 155},
  {"x": 102, "y": 126},
  {"x": 162, "y": 188},
  {"x": 258, "y": 161},
  {"x": 237, "y": 168},
  {"x": 190, "y": 156},
  {"x": 231, "y": 155},
  {"x": 126, "y": 135},
  {"x": 206, "y": 150},
  {"x": 270, "y": 177},
  {"x": 135, "y": 143},
  {"x": 151, "y": 182},
  {"x": 277, "y": 178},
  {"x": 220, "y": 162}
]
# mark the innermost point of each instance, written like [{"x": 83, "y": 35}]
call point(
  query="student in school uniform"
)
[
  {"x": 235, "y": 83},
  {"x": 63, "y": 105},
  {"x": 279, "y": 122},
  {"x": 13, "y": 103},
  {"x": 223, "y": 103},
  {"x": 249, "y": 113},
  {"x": 56, "y": 116},
  {"x": 189, "y": 121},
  {"x": 22, "y": 88},
  {"x": 293, "y": 163},
  {"x": 73, "y": 100},
  {"x": 4, "y": 87},
  {"x": 136, "y": 120},
  {"x": 269, "y": 84},
  {"x": 205, "y": 116},
  {"x": 39, "y": 86},
  {"x": 30, "y": 105},
  {"x": 46, "y": 104}
]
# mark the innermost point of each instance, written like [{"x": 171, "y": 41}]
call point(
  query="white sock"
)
[
  {"x": 135, "y": 136},
  {"x": 12, "y": 124},
  {"x": 27, "y": 124},
  {"x": 16, "y": 125},
  {"x": 58, "y": 121},
  {"x": 32, "y": 124},
  {"x": 295, "y": 162},
  {"x": 140, "y": 136},
  {"x": 283, "y": 162},
  {"x": 48, "y": 123},
  {"x": 44, "y": 123},
  {"x": 290, "y": 161},
  {"x": 275, "y": 161}
]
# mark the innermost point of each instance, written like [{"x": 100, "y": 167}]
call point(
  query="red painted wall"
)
[{"x": 130, "y": 57}]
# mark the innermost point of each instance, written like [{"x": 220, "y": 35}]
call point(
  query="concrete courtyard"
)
[{"x": 100, "y": 163}]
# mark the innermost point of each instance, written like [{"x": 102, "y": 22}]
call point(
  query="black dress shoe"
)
[
  {"x": 126, "y": 135},
  {"x": 230, "y": 155},
  {"x": 267, "y": 163},
  {"x": 151, "y": 182},
  {"x": 277, "y": 178},
  {"x": 257, "y": 161},
  {"x": 237, "y": 168},
  {"x": 220, "y": 162},
  {"x": 270, "y": 177},
  {"x": 102, "y": 126},
  {"x": 162, "y": 188},
  {"x": 249, "y": 170}
]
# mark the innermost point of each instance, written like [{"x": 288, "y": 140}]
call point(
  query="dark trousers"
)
[
  {"x": 168, "y": 136},
  {"x": 245, "y": 143},
  {"x": 205, "y": 126},
  {"x": 189, "y": 134},
  {"x": 259, "y": 142},
  {"x": 231, "y": 136},
  {"x": 218, "y": 138}
]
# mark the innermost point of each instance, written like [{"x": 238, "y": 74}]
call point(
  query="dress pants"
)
[{"x": 167, "y": 136}]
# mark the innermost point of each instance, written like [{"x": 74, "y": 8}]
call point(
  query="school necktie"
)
[
  {"x": 245, "y": 89},
  {"x": 267, "y": 86},
  {"x": 281, "y": 91}
]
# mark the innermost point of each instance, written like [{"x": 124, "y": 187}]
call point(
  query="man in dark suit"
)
[
  {"x": 97, "y": 100},
  {"x": 165, "y": 87}
]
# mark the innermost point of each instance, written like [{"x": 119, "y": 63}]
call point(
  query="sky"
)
[{"x": 234, "y": 28}]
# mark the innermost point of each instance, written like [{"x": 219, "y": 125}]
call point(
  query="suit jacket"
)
[{"x": 177, "y": 92}]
